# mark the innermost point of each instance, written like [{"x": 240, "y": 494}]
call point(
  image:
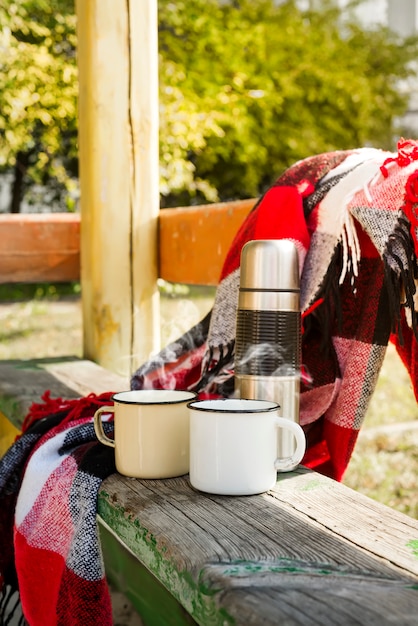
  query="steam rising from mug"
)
[{"x": 268, "y": 332}]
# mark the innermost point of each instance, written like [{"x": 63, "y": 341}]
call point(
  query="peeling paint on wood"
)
[
  {"x": 270, "y": 558},
  {"x": 414, "y": 545},
  {"x": 193, "y": 593},
  {"x": 309, "y": 551}
]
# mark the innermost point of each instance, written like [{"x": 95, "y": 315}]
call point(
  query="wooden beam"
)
[
  {"x": 39, "y": 247},
  {"x": 118, "y": 136},
  {"x": 193, "y": 243}
]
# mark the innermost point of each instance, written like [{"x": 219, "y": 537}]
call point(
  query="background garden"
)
[{"x": 247, "y": 87}]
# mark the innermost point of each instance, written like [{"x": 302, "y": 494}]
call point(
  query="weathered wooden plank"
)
[
  {"x": 194, "y": 241},
  {"x": 83, "y": 376},
  {"x": 291, "y": 593},
  {"x": 24, "y": 382},
  {"x": 212, "y": 552},
  {"x": 152, "y": 600},
  {"x": 39, "y": 247},
  {"x": 378, "y": 529},
  {"x": 229, "y": 523},
  {"x": 309, "y": 551}
]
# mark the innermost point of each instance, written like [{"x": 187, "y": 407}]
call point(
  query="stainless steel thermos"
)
[{"x": 268, "y": 329}]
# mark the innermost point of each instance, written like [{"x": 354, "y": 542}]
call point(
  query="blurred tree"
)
[
  {"x": 38, "y": 97},
  {"x": 247, "y": 87},
  {"x": 277, "y": 84}
]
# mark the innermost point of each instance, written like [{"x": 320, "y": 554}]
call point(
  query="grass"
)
[
  {"x": 37, "y": 291},
  {"x": 384, "y": 466}
]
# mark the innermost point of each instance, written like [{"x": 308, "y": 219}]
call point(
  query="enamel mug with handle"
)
[
  {"x": 234, "y": 445},
  {"x": 151, "y": 432}
]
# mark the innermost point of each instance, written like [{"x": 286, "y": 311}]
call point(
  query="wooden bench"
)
[{"x": 310, "y": 551}]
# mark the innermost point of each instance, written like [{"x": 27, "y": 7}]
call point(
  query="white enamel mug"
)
[
  {"x": 234, "y": 443},
  {"x": 151, "y": 438}
]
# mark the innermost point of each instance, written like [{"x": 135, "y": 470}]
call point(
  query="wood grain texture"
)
[
  {"x": 102, "y": 33},
  {"x": 144, "y": 185},
  {"x": 153, "y": 601},
  {"x": 277, "y": 556},
  {"x": 192, "y": 244},
  {"x": 119, "y": 200},
  {"x": 39, "y": 247},
  {"x": 23, "y": 382}
]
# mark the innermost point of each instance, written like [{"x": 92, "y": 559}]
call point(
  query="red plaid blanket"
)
[
  {"x": 50, "y": 550},
  {"x": 353, "y": 217}
]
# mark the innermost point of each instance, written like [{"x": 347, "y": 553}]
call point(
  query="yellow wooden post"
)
[{"x": 118, "y": 148}]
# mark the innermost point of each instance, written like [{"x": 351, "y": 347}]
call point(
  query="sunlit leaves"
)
[
  {"x": 247, "y": 87},
  {"x": 284, "y": 84},
  {"x": 38, "y": 89}
]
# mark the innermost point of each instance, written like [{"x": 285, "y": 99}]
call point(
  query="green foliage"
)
[
  {"x": 247, "y": 87},
  {"x": 38, "y": 92},
  {"x": 38, "y": 291},
  {"x": 279, "y": 84}
]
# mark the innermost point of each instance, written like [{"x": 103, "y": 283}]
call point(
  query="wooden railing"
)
[
  {"x": 39, "y": 247},
  {"x": 192, "y": 244}
]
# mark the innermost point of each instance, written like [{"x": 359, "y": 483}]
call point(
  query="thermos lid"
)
[{"x": 269, "y": 264}]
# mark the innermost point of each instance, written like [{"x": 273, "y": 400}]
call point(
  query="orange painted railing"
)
[{"x": 192, "y": 244}]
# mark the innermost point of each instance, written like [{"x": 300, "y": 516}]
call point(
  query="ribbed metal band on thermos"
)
[{"x": 268, "y": 329}]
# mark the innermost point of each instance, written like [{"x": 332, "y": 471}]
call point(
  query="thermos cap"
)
[{"x": 269, "y": 264}]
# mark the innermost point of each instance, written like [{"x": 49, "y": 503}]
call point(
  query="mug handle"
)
[
  {"x": 291, "y": 461},
  {"x": 98, "y": 426}
]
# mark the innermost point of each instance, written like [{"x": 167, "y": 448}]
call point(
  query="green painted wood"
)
[
  {"x": 274, "y": 558},
  {"x": 154, "y": 603},
  {"x": 194, "y": 595}
]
